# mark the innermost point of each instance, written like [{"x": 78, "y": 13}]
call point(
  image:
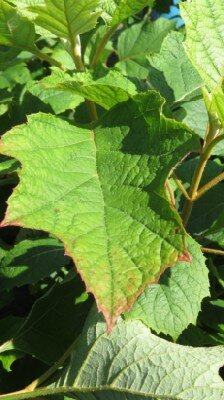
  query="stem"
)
[
  {"x": 212, "y": 251},
  {"x": 101, "y": 46},
  {"x": 171, "y": 194},
  {"x": 77, "y": 57},
  {"x": 210, "y": 185},
  {"x": 181, "y": 186},
  {"x": 203, "y": 160},
  {"x": 51, "y": 370}
]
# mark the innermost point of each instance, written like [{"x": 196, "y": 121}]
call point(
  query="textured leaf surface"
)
[
  {"x": 115, "y": 11},
  {"x": 133, "y": 360},
  {"x": 82, "y": 183},
  {"x": 54, "y": 322},
  {"x": 205, "y": 37},
  {"x": 30, "y": 261},
  {"x": 138, "y": 41},
  {"x": 133, "y": 364},
  {"x": 174, "y": 76},
  {"x": 106, "y": 90},
  {"x": 15, "y": 30},
  {"x": 66, "y": 18},
  {"x": 172, "y": 304}
]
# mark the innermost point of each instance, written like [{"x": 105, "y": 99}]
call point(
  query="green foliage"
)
[
  {"x": 115, "y": 203},
  {"x": 137, "y": 42},
  {"x": 205, "y": 38},
  {"x": 30, "y": 261},
  {"x": 124, "y": 255},
  {"x": 170, "y": 306}
]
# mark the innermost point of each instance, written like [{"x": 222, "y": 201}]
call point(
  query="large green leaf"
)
[
  {"x": 66, "y": 18},
  {"x": 54, "y": 322},
  {"x": 115, "y": 11},
  {"x": 173, "y": 75},
  {"x": 15, "y": 30},
  {"x": 132, "y": 363},
  {"x": 103, "y": 194},
  {"x": 205, "y": 38},
  {"x": 106, "y": 90},
  {"x": 172, "y": 304},
  {"x": 138, "y": 41},
  {"x": 30, "y": 261}
]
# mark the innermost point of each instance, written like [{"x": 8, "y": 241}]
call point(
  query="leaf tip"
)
[{"x": 185, "y": 256}]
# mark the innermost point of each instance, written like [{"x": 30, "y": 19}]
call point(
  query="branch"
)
[{"x": 212, "y": 251}]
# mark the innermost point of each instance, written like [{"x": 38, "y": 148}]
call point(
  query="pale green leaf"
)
[
  {"x": 139, "y": 41},
  {"x": 204, "y": 21},
  {"x": 133, "y": 364},
  {"x": 172, "y": 304},
  {"x": 14, "y": 29},
  {"x": 66, "y": 18},
  {"x": 103, "y": 194},
  {"x": 173, "y": 75},
  {"x": 106, "y": 90},
  {"x": 133, "y": 361},
  {"x": 30, "y": 261}
]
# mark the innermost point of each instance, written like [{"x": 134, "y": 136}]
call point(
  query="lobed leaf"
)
[
  {"x": 172, "y": 304},
  {"x": 76, "y": 185}
]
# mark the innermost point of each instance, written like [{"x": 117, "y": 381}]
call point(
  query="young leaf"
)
[
  {"x": 205, "y": 38},
  {"x": 14, "y": 30},
  {"x": 173, "y": 75},
  {"x": 106, "y": 90},
  {"x": 138, "y": 41},
  {"x": 59, "y": 100},
  {"x": 103, "y": 195},
  {"x": 54, "y": 322},
  {"x": 131, "y": 360},
  {"x": 66, "y": 18},
  {"x": 194, "y": 114},
  {"x": 30, "y": 261},
  {"x": 172, "y": 304}
]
